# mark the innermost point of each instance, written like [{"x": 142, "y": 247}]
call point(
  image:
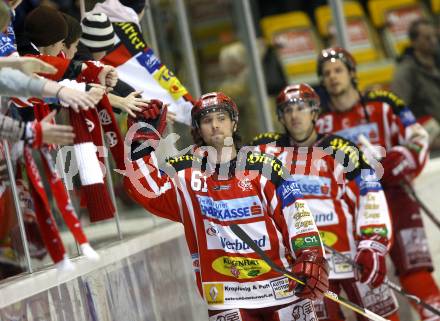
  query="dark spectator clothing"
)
[
  {"x": 273, "y": 71},
  {"x": 418, "y": 86}
]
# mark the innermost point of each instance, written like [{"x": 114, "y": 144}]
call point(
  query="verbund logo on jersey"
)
[
  {"x": 230, "y": 210},
  {"x": 313, "y": 185},
  {"x": 221, "y": 237},
  {"x": 322, "y": 219},
  {"x": 239, "y": 245}
]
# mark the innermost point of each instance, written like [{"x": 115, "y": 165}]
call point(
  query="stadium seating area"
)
[{"x": 375, "y": 37}]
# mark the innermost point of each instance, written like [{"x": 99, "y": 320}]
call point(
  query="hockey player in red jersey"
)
[
  {"x": 383, "y": 120},
  {"x": 215, "y": 186},
  {"x": 345, "y": 198}
]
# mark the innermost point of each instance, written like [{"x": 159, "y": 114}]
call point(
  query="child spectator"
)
[{"x": 71, "y": 41}]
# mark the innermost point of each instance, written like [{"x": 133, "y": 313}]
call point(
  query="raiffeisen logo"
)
[
  {"x": 313, "y": 185},
  {"x": 230, "y": 210},
  {"x": 239, "y": 245}
]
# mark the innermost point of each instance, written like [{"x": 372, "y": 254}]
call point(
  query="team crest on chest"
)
[
  {"x": 320, "y": 165},
  {"x": 245, "y": 184}
]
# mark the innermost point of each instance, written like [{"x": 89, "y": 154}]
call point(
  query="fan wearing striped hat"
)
[{"x": 98, "y": 34}]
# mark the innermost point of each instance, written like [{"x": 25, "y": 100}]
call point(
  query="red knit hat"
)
[{"x": 45, "y": 26}]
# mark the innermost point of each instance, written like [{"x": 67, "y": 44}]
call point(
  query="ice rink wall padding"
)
[{"x": 155, "y": 283}]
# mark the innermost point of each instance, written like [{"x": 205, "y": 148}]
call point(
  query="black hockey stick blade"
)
[
  {"x": 328, "y": 294},
  {"x": 390, "y": 284}
]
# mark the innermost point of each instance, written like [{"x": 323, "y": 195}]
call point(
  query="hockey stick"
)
[
  {"x": 425, "y": 209},
  {"x": 409, "y": 189},
  {"x": 330, "y": 295},
  {"x": 390, "y": 284}
]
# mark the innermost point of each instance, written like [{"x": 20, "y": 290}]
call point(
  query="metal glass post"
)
[
  {"x": 17, "y": 205},
  {"x": 182, "y": 18},
  {"x": 256, "y": 67},
  {"x": 109, "y": 180},
  {"x": 151, "y": 30},
  {"x": 339, "y": 22}
]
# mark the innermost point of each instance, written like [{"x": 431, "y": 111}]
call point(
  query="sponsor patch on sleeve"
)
[
  {"x": 366, "y": 186},
  {"x": 289, "y": 192},
  {"x": 407, "y": 117},
  {"x": 305, "y": 241},
  {"x": 371, "y": 230}
]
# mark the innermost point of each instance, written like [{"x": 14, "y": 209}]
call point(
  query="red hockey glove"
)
[
  {"x": 370, "y": 263},
  {"x": 397, "y": 168},
  {"x": 151, "y": 122},
  {"x": 154, "y": 115},
  {"x": 313, "y": 269}
]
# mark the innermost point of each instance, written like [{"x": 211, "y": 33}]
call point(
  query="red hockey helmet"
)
[
  {"x": 333, "y": 53},
  {"x": 212, "y": 102},
  {"x": 300, "y": 93}
]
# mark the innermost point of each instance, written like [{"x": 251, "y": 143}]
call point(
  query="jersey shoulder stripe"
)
[
  {"x": 346, "y": 153},
  {"x": 268, "y": 166},
  {"x": 265, "y": 138},
  {"x": 183, "y": 162},
  {"x": 396, "y": 103}
]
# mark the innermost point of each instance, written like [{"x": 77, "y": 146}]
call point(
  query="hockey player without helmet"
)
[
  {"x": 334, "y": 53},
  {"x": 301, "y": 94},
  {"x": 213, "y": 102}
]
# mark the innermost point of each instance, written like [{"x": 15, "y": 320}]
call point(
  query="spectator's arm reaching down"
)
[
  {"x": 132, "y": 103},
  {"x": 72, "y": 94},
  {"x": 45, "y": 132},
  {"x": 16, "y": 83},
  {"x": 71, "y": 69},
  {"x": 27, "y": 65},
  {"x": 36, "y": 133}
]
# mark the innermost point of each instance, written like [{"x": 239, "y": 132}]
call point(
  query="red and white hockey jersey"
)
[
  {"x": 256, "y": 196},
  {"x": 389, "y": 123},
  {"x": 346, "y": 200}
]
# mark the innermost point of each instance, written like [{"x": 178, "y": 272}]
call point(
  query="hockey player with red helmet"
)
[
  {"x": 344, "y": 196},
  {"x": 215, "y": 186},
  {"x": 380, "y": 119}
]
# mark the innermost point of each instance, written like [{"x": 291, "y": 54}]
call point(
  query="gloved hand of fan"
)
[
  {"x": 397, "y": 168},
  {"x": 150, "y": 124},
  {"x": 312, "y": 268},
  {"x": 370, "y": 266}
]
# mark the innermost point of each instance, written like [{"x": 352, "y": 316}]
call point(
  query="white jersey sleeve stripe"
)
[{"x": 150, "y": 181}]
